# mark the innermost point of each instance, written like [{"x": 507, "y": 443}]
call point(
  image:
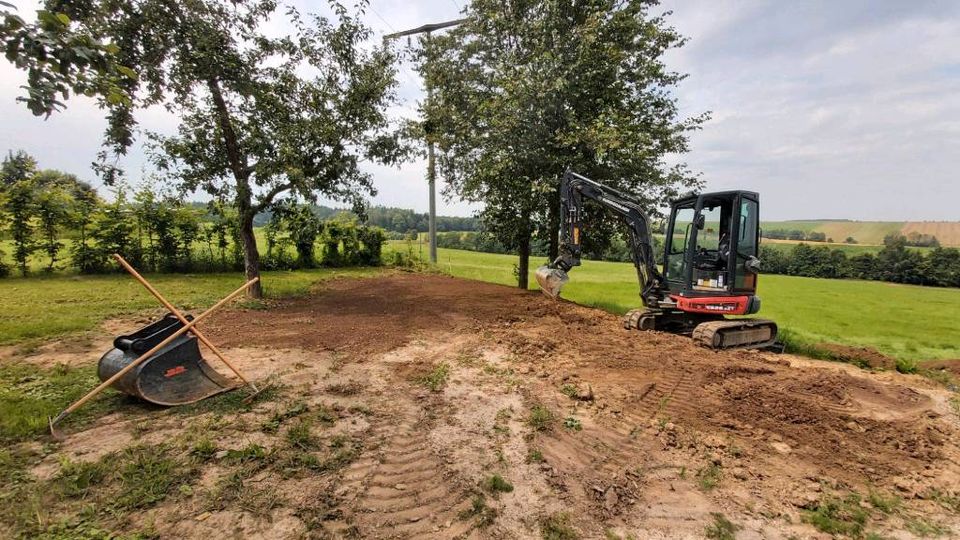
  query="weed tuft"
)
[
  {"x": 534, "y": 455},
  {"x": 203, "y": 450},
  {"x": 838, "y": 516},
  {"x": 300, "y": 436},
  {"x": 557, "y": 527},
  {"x": 541, "y": 419},
  {"x": 721, "y": 528},
  {"x": 709, "y": 477},
  {"x": 437, "y": 378},
  {"x": 572, "y": 424},
  {"x": 497, "y": 484},
  {"x": 148, "y": 475},
  {"x": 76, "y": 479},
  {"x": 484, "y": 515},
  {"x": 273, "y": 424}
]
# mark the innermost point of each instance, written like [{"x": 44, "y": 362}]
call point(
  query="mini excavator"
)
[{"x": 710, "y": 262}]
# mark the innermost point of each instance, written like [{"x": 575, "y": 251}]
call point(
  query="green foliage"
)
[
  {"x": 541, "y": 419},
  {"x": 894, "y": 262},
  {"x": 721, "y": 528},
  {"x": 516, "y": 101},
  {"x": 76, "y": 479},
  {"x": 497, "y": 484},
  {"x": 148, "y": 475},
  {"x": 485, "y": 516},
  {"x": 838, "y": 516},
  {"x": 29, "y": 396},
  {"x": 204, "y": 449},
  {"x": 557, "y": 527},
  {"x": 60, "y": 56},
  {"x": 436, "y": 379},
  {"x": 572, "y": 424},
  {"x": 906, "y": 365},
  {"x": 534, "y": 455},
  {"x": 709, "y": 477}
]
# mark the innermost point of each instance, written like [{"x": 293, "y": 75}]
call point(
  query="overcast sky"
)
[{"x": 829, "y": 109}]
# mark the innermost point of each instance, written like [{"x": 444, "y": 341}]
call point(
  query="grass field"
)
[{"x": 903, "y": 321}]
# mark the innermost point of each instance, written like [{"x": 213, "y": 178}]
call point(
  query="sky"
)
[{"x": 828, "y": 109}]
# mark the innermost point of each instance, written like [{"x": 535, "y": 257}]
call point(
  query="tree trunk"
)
[
  {"x": 241, "y": 173},
  {"x": 251, "y": 256},
  {"x": 524, "y": 252},
  {"x": 553, "y": 224}
]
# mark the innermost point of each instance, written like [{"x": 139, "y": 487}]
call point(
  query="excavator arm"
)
[{"x": 574, "y": 188}]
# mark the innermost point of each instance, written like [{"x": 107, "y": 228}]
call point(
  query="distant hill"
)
[{"x": 871, "y": 232}]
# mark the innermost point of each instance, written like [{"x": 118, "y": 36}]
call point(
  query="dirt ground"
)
[{"x": 441, "y": 384}]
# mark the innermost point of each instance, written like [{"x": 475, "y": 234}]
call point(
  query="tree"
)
[
  {"x": 21, "y": 205},
  {"x": 59, "y": 57},
  {"x": 524, "y": 89},
  {"x": 260, "y": 117}
]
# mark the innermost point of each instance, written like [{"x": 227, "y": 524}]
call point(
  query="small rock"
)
[
  {"x": 805, "y": 499},
  {"x": 220, "y": 455},
  {"x": 739, "y": 473},
  {"x": 670, "y": 426},
  {"x": 781, "y": 447},
  {"x": 400, "y": 487},
  {"x": 610, "y": 499},
  {"x": 203, "y": 516}
]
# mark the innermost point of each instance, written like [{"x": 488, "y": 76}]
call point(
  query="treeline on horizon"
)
[
  {"x": 389, "y": 218},
  {"x": 938, "y": 267}
]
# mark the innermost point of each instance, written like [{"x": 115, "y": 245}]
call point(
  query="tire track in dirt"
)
[{"x": 400, "y": 488}]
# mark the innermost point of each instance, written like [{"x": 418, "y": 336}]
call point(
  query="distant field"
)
[
  {"x": 849, "y": 250},
  {"x": 871, "y": 232},
  {"x": 895, "y": 319}
]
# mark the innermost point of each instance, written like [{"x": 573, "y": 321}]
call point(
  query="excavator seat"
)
[{"x": 175, "y": 375}]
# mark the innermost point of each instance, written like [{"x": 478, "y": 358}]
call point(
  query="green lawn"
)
[{"x": 903, "y": 321}]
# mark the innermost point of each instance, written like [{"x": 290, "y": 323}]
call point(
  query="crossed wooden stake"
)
[{"x": 187, "y": 326}]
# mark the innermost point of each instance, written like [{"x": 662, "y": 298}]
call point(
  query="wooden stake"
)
[
  {"x": 196, "y": 331},
  {"x": 79, "y": 403}
]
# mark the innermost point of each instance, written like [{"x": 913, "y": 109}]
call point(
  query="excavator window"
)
[
  {"x": 682, "y": 232},
  {"x": 747, "y": 242}
]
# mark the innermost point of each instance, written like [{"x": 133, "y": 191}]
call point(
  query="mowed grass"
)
[
  {"x": 42, "y": 307},
  {"x": 903, "y": 321}
]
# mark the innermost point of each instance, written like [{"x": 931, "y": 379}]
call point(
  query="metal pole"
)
[
  {"x": 431, "y": 177},
  {"x": 431, "y": 159}
]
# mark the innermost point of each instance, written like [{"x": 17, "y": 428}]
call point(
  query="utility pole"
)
[{"x": 431, "y": 160}]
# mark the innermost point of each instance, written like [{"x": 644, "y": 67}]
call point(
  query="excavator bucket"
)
[
  {"x": 175, "y": 375},
  {"x": 551, "y": 280}
]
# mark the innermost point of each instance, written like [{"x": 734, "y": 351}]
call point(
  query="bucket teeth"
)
[{"x": 551, "y": 280}]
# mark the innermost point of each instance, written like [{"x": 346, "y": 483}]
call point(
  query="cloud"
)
[{"x": 828, "y": 109}]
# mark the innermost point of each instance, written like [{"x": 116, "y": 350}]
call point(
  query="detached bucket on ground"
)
[
  {"x": 176, "y": 375},
  {"x": 551, "y": 280}
]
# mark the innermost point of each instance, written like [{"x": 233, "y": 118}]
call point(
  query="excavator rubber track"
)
[{"x": 736, "y": 334}]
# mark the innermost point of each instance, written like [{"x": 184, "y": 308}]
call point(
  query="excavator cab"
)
[{"x": 710, "y": 252}]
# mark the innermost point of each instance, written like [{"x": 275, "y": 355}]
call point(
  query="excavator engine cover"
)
[
  {"x": 551, "y": 280},
  {"x": 174, "y": 375}
]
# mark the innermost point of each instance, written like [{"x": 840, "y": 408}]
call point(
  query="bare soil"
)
[{"x": 647, "y": 434}]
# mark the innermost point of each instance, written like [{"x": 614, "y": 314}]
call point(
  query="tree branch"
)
[{"x": 266, "y": 199}]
